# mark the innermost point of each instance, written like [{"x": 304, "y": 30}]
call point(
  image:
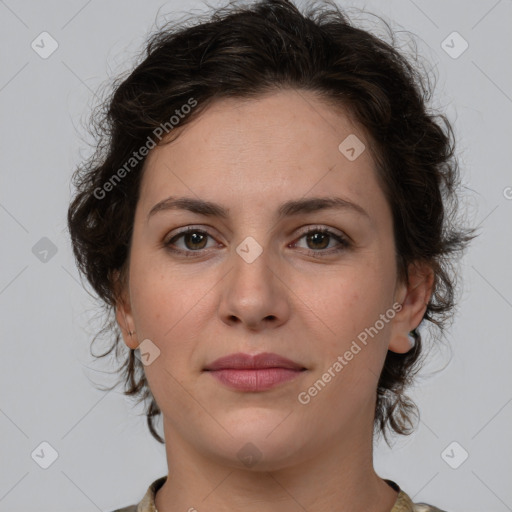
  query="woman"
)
[{"x": 268, "y": 217}]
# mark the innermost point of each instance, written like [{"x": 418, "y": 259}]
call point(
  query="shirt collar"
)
[{"x": 402, "y": 504}]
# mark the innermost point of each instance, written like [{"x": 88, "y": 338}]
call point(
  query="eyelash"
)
[{"x": 321, "y": 253}]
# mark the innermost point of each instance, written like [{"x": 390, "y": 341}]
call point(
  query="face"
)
[{"x": 304, "y": 282}]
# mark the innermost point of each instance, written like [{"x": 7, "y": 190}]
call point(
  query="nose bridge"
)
[
  {"x": 252, "y": 293},
  {"x": 252, "y": 274}
]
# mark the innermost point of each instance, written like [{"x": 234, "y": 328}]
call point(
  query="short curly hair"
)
[{"x": 245, "y": 51}]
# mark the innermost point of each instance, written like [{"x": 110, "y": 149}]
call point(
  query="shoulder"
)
[
  {"x": 405, "y": 504},
  {"x": 147, "y": 504}
]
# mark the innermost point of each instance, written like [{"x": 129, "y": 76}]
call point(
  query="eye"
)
[
  {"x": 320, "y": 238},
  {"x": 194, "y": 240}
]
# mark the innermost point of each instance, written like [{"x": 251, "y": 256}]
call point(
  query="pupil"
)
[
  {"x": 317, "y": 238},
  {"x": 321, "y": 235},
  {"x": 196, "y": 238}
]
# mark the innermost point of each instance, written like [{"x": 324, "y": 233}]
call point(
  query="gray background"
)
[{"x": 106, "y": 457}]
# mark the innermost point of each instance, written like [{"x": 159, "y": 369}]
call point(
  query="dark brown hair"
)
[{"x": 245, "y": 51}]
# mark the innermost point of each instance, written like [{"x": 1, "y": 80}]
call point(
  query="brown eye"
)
[
  {"x": 194, "y": 240},
  {"x": 319, "y": 239}
]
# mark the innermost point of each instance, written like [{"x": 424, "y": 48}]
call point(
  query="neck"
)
[{"x": 340, "y": 478}]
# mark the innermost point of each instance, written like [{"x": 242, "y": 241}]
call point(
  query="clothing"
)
[{"x": 402, "y": 504}]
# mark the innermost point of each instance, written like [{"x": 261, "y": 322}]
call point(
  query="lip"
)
[
  {"x": 259, "y": 372},
  {"x": 241, "y": 361}
]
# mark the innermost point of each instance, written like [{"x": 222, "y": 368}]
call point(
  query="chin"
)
[{"x": 262, "y": 440}]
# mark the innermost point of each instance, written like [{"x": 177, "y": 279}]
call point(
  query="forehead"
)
[{"x": 279, "y": 146}]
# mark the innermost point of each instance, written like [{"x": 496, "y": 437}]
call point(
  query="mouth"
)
[{"x": 245, "y": 372}]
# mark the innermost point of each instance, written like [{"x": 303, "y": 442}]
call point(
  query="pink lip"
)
[
  {"x": 254, "y": 373},
  {"x": 241, "y": 361}
]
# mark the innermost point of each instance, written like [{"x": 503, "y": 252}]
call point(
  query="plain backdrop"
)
[{"x": 104, "y": 455}]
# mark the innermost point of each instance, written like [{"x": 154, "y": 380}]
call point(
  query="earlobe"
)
[
  {"x": 123, "y": 315},
  {"x": 415, "y": 298},
  {"x": 125, "y": 324},
  {"x": 401, "y": 343}
]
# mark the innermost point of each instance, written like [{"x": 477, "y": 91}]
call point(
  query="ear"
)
[
  {"x": 414, "y": 297},
  {"x": 124, "y": 315}
]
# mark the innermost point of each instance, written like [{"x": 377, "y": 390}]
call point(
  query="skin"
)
[{"x": 251, "y": 156}]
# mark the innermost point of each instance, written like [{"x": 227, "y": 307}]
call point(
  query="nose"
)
[{"x": 253, "y": 294}]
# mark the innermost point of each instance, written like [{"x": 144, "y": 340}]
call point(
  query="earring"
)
[{"x": 131, "y": 332}]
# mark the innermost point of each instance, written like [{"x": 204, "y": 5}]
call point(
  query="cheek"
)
[
  {"x": 173, "y": 307},
  {"x": 352, "y": 300},
  {"x": 163, "y": 303},
  {"x": 155, "y": 306},
  {"x": 166, "y": 307}
]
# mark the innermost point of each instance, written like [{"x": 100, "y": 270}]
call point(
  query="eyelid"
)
[
  {"x": 305, "y": 230},
  {"x": 323, "y": 227},
  {"x": 344, "y": 241},
  {"x": 200, "y": 228}
]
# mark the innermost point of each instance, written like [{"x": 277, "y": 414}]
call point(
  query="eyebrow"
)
[{"x": 288, "y": 209}]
